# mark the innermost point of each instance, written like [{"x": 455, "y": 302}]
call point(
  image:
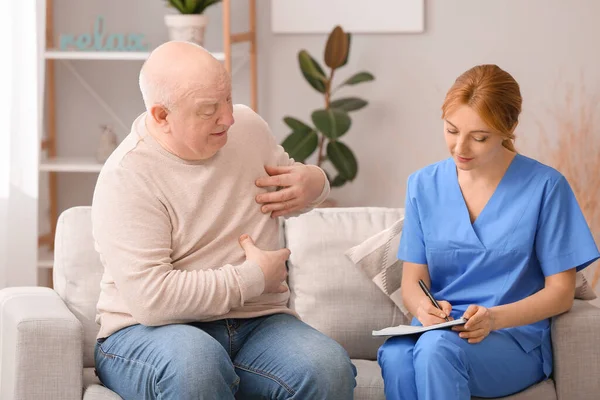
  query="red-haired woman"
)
[{"x": 498, "y": 238}]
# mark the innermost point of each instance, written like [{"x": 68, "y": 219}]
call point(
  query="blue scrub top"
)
[{"x": 531, "y": 228}]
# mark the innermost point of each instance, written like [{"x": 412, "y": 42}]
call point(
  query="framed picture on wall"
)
[{"x": 373, "y": 16}]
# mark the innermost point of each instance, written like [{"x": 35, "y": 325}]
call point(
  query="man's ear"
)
[{"x": 159, "y": 115}]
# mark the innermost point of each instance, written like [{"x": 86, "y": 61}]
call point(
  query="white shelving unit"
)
[
  {"x": 45, "y": 258},
  {"x": 70, "y": 164},
  {"x": 54, "y": 163}
]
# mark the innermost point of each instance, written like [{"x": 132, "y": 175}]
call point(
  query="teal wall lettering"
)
[{"x": 98, "y": 40}]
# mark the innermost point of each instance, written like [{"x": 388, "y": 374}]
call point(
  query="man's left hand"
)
[{"x": 300, "y": 185}]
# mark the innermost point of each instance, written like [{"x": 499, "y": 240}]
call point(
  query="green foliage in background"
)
[
  {"x": 333, "y": 121},
  {"x": 192, "y": 6}
]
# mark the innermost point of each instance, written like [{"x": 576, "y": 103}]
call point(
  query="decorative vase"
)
[{"x": 187, "y": 27}]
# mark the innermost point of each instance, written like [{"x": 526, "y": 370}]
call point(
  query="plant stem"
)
[{"x": 327, "y": 106}]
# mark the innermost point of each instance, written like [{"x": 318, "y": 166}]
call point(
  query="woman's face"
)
[{"x": 470, "y": 141}]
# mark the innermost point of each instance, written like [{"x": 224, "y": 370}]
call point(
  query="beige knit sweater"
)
[{"x": 167, "y": 230}]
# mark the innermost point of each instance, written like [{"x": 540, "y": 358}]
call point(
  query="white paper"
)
[{"x": 401, "y": 330}]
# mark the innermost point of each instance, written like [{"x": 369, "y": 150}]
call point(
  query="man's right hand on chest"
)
[{"x": 272, "y": 264}]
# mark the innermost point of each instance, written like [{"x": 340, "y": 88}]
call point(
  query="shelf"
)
[
  {"x": 106, "y": 55},
  {"x": 45, "y": 258},
  {"x": 70, "y": 164}
]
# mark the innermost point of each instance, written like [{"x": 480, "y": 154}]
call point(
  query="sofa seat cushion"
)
[
  {"x": 369, "y": 383},
  {"x": 94, "y": 390}
]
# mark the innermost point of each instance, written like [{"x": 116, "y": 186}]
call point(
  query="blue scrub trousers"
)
[{"x": 439, "y": 364}]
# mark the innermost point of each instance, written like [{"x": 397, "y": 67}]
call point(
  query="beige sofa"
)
[{"x": 47, "y": 336}]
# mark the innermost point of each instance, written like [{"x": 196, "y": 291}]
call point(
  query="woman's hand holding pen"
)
[
  {"x": 428, "y": 314},
  {"x": 479, "y": 325}
]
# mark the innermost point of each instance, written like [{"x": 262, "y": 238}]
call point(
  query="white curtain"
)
[{"x": 21, "y": 78}]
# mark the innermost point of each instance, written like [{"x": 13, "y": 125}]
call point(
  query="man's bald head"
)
[{"x": 173, "y": 68}]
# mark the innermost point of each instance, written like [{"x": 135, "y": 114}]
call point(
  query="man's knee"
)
[
  {"x": 200, "y": 359},
  {"x": 328, "y": 369}
]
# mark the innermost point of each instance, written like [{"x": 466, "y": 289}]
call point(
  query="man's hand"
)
[
  {"x": 428, "y": 314},
  {"x": 300, "y": 186},
  {"x": 479, "y": 325},
  {"x": 272, "y": 264}
]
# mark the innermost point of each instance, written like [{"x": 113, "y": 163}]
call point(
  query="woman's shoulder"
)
[
  {"x": 547, "y": 175},
  {"x": 430, "y": 173}
]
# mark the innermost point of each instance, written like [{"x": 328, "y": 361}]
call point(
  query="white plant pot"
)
[{"x": 187, "y": 27}]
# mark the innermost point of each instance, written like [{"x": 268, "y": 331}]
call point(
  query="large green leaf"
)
[
  {"x": 297, "y": 125},
  {"x": 312, "y": 71},
  {"x": 358, "y": 78},
  {"x": 333, "y": 123},
  {"x": 192, "y": 6},
  {"x": 349, "y": 104},
  {"x": 336, "y": 49},
  {"x": 178, "y": 4},
  {"x": 205, "y": 4},
  {"x": 343, "y": 159},
  {"x": 349, "y": 36},
  {"x": 300, "y": 145},
  {"x": 338, "y": 181}
]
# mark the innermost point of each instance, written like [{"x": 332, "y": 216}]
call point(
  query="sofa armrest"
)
[
  {"x": 41, "y": 346},
  {"x": 575, "y": 336}
]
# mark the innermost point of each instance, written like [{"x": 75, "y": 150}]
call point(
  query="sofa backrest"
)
[
  {"x": 327, "y": 290},
  {"x": 78, "y": 271}
]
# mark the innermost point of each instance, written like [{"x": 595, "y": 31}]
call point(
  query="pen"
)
[{"x": 428, "y": 293}]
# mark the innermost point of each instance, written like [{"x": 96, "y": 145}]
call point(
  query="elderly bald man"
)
[{"x": 193, "y": 301}]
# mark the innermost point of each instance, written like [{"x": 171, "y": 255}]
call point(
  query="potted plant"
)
[
  {"x": 189, "y": 24},
  {"x": 332, "y": 121}
]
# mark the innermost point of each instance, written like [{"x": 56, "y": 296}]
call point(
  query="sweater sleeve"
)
[{"x": 132, "y": 231}]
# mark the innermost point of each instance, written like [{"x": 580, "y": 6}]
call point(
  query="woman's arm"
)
[
  {"x": 555, "y": 298},
  {"x": 416, "y": 302}
]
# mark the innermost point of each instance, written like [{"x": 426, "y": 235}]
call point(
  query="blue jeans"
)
[{"x": 273, "y": 357}]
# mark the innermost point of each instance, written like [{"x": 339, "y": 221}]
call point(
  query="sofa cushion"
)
[
  {"x": 583, "y": 290},
  {"x": 77, "y": 272},
  {"x": 327, "y": 290},
  {"x": 369, "y": 383},
  {"x": 377, "y": 258}
]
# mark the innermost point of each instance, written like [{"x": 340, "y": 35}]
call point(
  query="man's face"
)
[{"x": 200, "y": 120}]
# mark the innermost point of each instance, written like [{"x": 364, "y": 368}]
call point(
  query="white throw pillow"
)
[{"x": 377, "y": 258}]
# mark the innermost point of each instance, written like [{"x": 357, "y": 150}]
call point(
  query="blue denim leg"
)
[
  {"x": 283, "y": 358},
  {"x": 167, "y": 362}
]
